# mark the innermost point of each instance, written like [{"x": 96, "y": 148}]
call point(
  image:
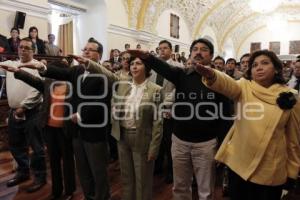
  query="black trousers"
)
[
  {"x": 91, "y": 163},
  {"x": 239, "y": 189},
  {"x": 60, "y": 149},
  {"x": 22, "y": 135},
  {"x": 165, "y": 147}
]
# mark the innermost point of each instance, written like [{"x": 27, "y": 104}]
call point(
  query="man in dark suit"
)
[
  {"x": 90, "y": 102},
  {"x": 4, "y": 46}
]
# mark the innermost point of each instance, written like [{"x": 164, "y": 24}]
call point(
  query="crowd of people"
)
[
  {"x": 156, "y": 113},
  {"x": 42, "y": 47}
]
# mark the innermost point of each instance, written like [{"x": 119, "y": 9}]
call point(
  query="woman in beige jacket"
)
[
  {"x": 262, "y": 147},
  {"x": 136, "y": 125}
]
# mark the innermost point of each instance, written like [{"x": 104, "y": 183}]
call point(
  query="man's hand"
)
[
  {"x": 74, "y": 118},
  {"x": 9, "y": 68},
  {"x": 205, "y": 71},
  {"x": 80, "y": 59},
  {"x": 151, "y": 157},
  {"x": 19, "y": 114},
  {"x": 37, "y": 66},
  {"x": 139, "y": 53},
  {"x": 43, "y": 61}
]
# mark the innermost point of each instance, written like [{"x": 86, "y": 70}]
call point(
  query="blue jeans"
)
[{"x": 22, "y": 135}]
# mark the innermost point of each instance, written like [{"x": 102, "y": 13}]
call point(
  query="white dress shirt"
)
[{"x": 132, "y": 104}]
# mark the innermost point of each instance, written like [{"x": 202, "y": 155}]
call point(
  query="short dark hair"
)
[
  {"x": 204, "y": 41},
  {"x": 127, "y": 44},
  {"x": 147, "y": 68},
  {"x": 231, "y": 59},
  {"x": 27, "y": 39},
  {"x": 51, "y": 34},
  {"x": 219, "y": 58},
  {"x": 15, "y": 29},
  {"x": 166, "y": 42},
  {"x": 100, "y": 46},
  {"x": 278, "y": 78},
  {"x": 245, "y": 55}
]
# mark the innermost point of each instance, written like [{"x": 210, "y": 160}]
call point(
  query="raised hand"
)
[
  {"x": 205, "y": 71},
  {"x": 80, "y": 59},
  {"x": 9, "y": 68},
  {"x": 139, "y": 53}
]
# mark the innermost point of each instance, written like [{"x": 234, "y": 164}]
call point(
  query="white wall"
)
[
  {"x": 292, "y": 32},
  {"x": 93, "y": 23},
  {"x": 42, "y": 3},
  {"x": 208, "y": 32},
  {"x": 33, "y": 18},
  {"x": 117, "y": 14},
  {"x": 163, "y": 27}
]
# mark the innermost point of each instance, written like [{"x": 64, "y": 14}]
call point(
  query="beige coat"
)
[
  {"x": 264, "y": 151},
  {"x": 149, "y": 123}
]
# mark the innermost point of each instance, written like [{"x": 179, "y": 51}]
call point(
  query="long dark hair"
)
[
  {"x": 278, "y": 78},
  {"x": 31, "y": 29}
]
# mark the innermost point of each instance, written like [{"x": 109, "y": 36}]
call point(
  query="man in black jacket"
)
[
  {"x": 4, "y": 46},
  {"x": 197, "y": 114},
  {"x": 90, "y": 102}
]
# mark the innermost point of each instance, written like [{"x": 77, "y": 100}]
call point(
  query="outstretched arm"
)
[
  {"x": 30, "y": 79},
  {"x": 53, "y": 70},
  {"x": 219, "y": 81},
  {"x": 171, "y": 73},
  {"x": 95, "y": 68}
]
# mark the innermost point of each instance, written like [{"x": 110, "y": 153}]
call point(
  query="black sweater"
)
[{"x": 194, "y": 101}]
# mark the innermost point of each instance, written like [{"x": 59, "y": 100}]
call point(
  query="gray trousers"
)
[
  {"x": 136, "y": 171},
  {"x": 197, "y": 158},
  {"x": 91, "y": 163}
]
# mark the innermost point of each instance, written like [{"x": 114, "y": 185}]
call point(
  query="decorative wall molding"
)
[
  {"x": 142, "y": 36},
  {"x": 73, "y": 9},
  {"x": 30, "y": 9}
]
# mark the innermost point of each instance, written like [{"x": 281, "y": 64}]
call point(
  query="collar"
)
[
  {"x": 140, "y": 85},
  {"x": 270, "y": 94}
]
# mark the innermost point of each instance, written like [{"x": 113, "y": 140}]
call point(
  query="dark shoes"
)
[
  {"x": 36, "y": 185},
  {"x": 17, "y": 180}
]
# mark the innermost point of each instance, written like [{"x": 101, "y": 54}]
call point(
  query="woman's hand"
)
[{"x": 9, "y": 68}]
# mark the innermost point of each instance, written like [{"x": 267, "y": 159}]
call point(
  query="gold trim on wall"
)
[{"x": 141, "y": 15}]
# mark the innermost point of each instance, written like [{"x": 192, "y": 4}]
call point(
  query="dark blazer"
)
[
  {"x": 10, "y": 42},
  {"x": 4, "y": 44},
  {"x": 42, "y": 86},
  {"x": 92, "y": 87},
  {"x": 195, "y": 96},
  {"x": 40, "y": 46}
]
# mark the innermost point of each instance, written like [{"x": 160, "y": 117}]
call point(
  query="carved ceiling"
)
[{"x": 229, "y": 19}]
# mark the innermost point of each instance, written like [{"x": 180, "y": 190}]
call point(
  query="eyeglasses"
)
[
  {"x": 93, "y": 50},
  {"x": 27, "y": 48},
  {"x": 125, "y": 58}
]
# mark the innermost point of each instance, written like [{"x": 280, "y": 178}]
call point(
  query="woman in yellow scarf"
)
[{"x": 262, "y": 147}]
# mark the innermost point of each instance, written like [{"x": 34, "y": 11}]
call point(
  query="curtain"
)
[{"x": 65, "y": 38}]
